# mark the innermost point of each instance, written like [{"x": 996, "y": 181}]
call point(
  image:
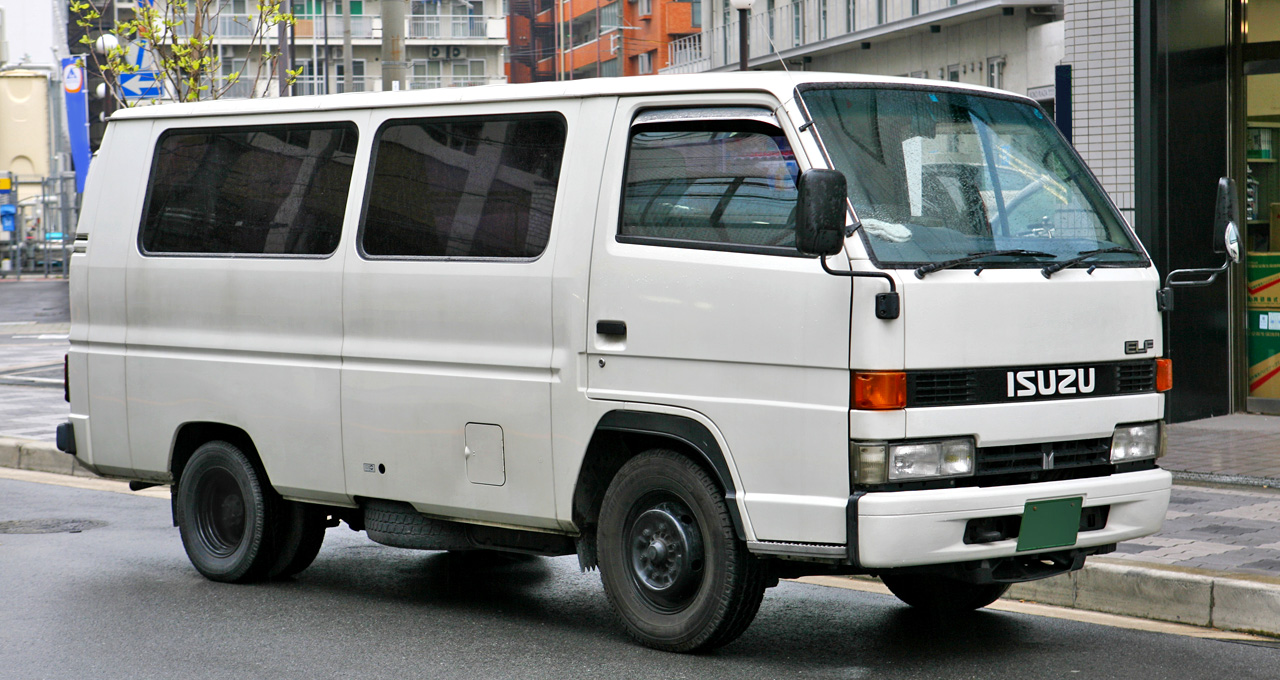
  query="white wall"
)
[
  {"x": 1029, "y": 52},
  {"x": 30, "y": 32},
  {"x": 1099, "y": 48}
]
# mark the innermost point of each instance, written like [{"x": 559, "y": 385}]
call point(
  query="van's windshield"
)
[{"x": 936, "y": 175}]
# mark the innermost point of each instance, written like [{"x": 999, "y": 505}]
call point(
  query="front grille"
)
[
  {"x": 1135, "y": 377},
  {"x": 1023, "y": 458},
  {"x": 942, "y": 388}
]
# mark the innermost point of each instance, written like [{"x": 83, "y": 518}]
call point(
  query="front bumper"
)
[{"x": 915, "y": 528}]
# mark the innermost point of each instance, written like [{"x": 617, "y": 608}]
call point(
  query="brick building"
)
[{"x": 589, "y": 38}]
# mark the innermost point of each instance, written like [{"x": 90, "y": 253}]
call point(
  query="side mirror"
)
[
  {"x": 820, "y": 212},
  {"x": 1226, "y": 220}
]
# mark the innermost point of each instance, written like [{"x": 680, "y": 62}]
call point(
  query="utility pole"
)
[
  {"x": 347, "y": 77},
  {"x": 393, "y": 63}
]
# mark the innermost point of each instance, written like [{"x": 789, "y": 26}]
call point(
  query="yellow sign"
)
[{"x": 5, "y": 184}]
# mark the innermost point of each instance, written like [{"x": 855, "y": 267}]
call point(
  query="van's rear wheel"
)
[
  {"x": 941, "y": 594},
  {"x": 300, "y": 533},
  {"x": 224, "y": 511},
  {"x": 674, "y": 571}
]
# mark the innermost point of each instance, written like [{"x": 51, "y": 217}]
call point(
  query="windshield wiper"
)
[
  {"x": 936, "y": 266},
  {"x": 1084, "y": 255}
]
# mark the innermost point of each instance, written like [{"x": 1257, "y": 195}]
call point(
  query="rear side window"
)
[
  {"x": 481, "y": 187},
  {"x": 724, "y": 185},
  {"x": 270, "y": 190}
]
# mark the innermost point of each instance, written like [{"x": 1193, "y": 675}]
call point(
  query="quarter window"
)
[
  {"x": 714, "y": 184},
  {"x": 464, "y": 187},
  {"x": 270, "y": 190}
]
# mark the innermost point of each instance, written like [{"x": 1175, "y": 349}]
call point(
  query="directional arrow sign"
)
[{"x": 140, "y": 85}]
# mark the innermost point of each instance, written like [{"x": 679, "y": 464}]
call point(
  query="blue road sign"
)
[
  {"x": 7, "y": 213},
  {"x": 140, "y": 85}
]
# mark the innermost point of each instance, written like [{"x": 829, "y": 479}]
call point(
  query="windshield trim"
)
[{"x": 810, "y": 125}]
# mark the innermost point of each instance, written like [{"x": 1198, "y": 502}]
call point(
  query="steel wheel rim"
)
[
  {"x": 221, "y": 512},
  {"x": 664, "y": 551}
]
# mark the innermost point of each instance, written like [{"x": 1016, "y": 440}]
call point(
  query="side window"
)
[
  {"x": 722, "y": 185},
  {"x": 269, "y": 190},
  {"x": 481, "y": 186}
]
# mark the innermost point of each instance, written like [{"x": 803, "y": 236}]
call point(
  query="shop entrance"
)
[{"x": 1262, "y": 205}]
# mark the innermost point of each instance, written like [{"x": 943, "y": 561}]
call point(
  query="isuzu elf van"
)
[{"x": 704, "y": 332}]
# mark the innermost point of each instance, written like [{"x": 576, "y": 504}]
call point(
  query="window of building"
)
[
  {"x": 915, "y": 7},
  {"x": 481, "y": 186},
  {"x": 269, "y": 190},
  {"x": 770, "y": 10},
  {"x": 953, "y": 73},
  {"x": 644, "y": 63},
  {"x": 995, "y": 72},
  {"x": 357, "y": 6},
  {"x": 882, "y": 11},
  {"x": 851, "y": 16},
  {"x": 645, "y": 7},
  {"x": 822, "y": 21},
  {"x": 797, "y": 22},
  {"x": 711, "y": 184},
  {"x": 357, "y": 76}
]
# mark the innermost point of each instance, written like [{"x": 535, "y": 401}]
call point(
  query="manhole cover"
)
[{"x": 49, "y": 526}]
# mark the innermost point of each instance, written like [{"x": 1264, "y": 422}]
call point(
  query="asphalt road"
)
[{"x": 118, "y": 599}]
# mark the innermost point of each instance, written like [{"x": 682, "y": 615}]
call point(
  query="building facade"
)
[{"x": 575, "y": 39}]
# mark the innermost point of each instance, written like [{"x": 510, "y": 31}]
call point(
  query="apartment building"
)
[
  {"x": 572, "y": 39},
  {"x": 448, "y": 43}
]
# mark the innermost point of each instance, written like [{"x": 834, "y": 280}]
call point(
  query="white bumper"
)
[{"x": 909, "y": 528}]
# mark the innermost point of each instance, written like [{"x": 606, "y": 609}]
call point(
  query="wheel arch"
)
[
  {"x": 190, "y": 436},
  {"x": 622, "y": 434}
]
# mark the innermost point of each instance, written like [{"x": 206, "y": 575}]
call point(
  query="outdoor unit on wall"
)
[{"x": 447, "y": 52}]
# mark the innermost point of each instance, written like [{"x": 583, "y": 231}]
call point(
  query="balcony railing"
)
[
  {"x": 456, "y": 26},
  {"x": 793, "y": 25},
  {"x": 313, "y": 26},
  {"x": 225, "y": 26},
  {"x": 433, "y": 82}
]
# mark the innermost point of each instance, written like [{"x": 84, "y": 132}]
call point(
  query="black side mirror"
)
[
  {"x": 1226, "y": 220},
  {"x": 1226, "y": 239},
  {"x": 820, "y": 212}
]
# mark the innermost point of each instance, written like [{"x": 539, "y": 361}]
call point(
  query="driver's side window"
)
[{"x": 723, "y": 185}]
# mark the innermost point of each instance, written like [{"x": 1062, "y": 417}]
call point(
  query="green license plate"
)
[{"x": 1050, "y": 524}]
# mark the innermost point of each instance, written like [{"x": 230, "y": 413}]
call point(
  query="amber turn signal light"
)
[
  {"x": 879, "y": 390},
  {"x": 1164, "y": 375}
]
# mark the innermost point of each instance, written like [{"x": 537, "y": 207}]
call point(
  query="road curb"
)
[
  {"x": 1227, "y": 601},
  {"x": 31, "y": 454}
]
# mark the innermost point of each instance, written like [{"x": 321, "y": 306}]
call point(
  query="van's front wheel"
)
[{"x": 674, "y": 571}]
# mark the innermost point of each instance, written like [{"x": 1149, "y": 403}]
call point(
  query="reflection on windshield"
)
[{"x": 935, "y": 176}]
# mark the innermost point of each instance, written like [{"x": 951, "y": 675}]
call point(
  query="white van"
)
[{"x": 702, "y": 331}]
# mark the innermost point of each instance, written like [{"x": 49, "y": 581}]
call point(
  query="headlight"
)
[
  {"x": 881, "y": 462},
  {"x": 919, "y": 460},
  {"x": 1136, "y": 442}
]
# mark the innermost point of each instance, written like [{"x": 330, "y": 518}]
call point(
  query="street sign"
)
[
  {"x": 5, "y": 184},
  {"x": 7, "y": 220},
  {"x": 77, "y": 108},
  {"x": 140, "y": 85}
]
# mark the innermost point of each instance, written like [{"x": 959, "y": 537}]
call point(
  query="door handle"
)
[{"x": 611, "y": 327}]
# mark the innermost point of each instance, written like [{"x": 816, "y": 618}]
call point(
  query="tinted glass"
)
[
  {"x": 935, "y": 175},
  {"x": 278, "y": 190},
  {"x": 733, "y": 183},
  {"x": 464, "y": 187}
]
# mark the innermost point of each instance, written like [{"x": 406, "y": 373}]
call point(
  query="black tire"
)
[
  {"x": 942, "y": 595},
  {"x": 224, "y": 513},
  {"x": 300, "y": 533},
  {"x": 673, "y": 568}
]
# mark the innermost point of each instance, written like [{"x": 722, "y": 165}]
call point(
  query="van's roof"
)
[{"x": 780, "y": 83}]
